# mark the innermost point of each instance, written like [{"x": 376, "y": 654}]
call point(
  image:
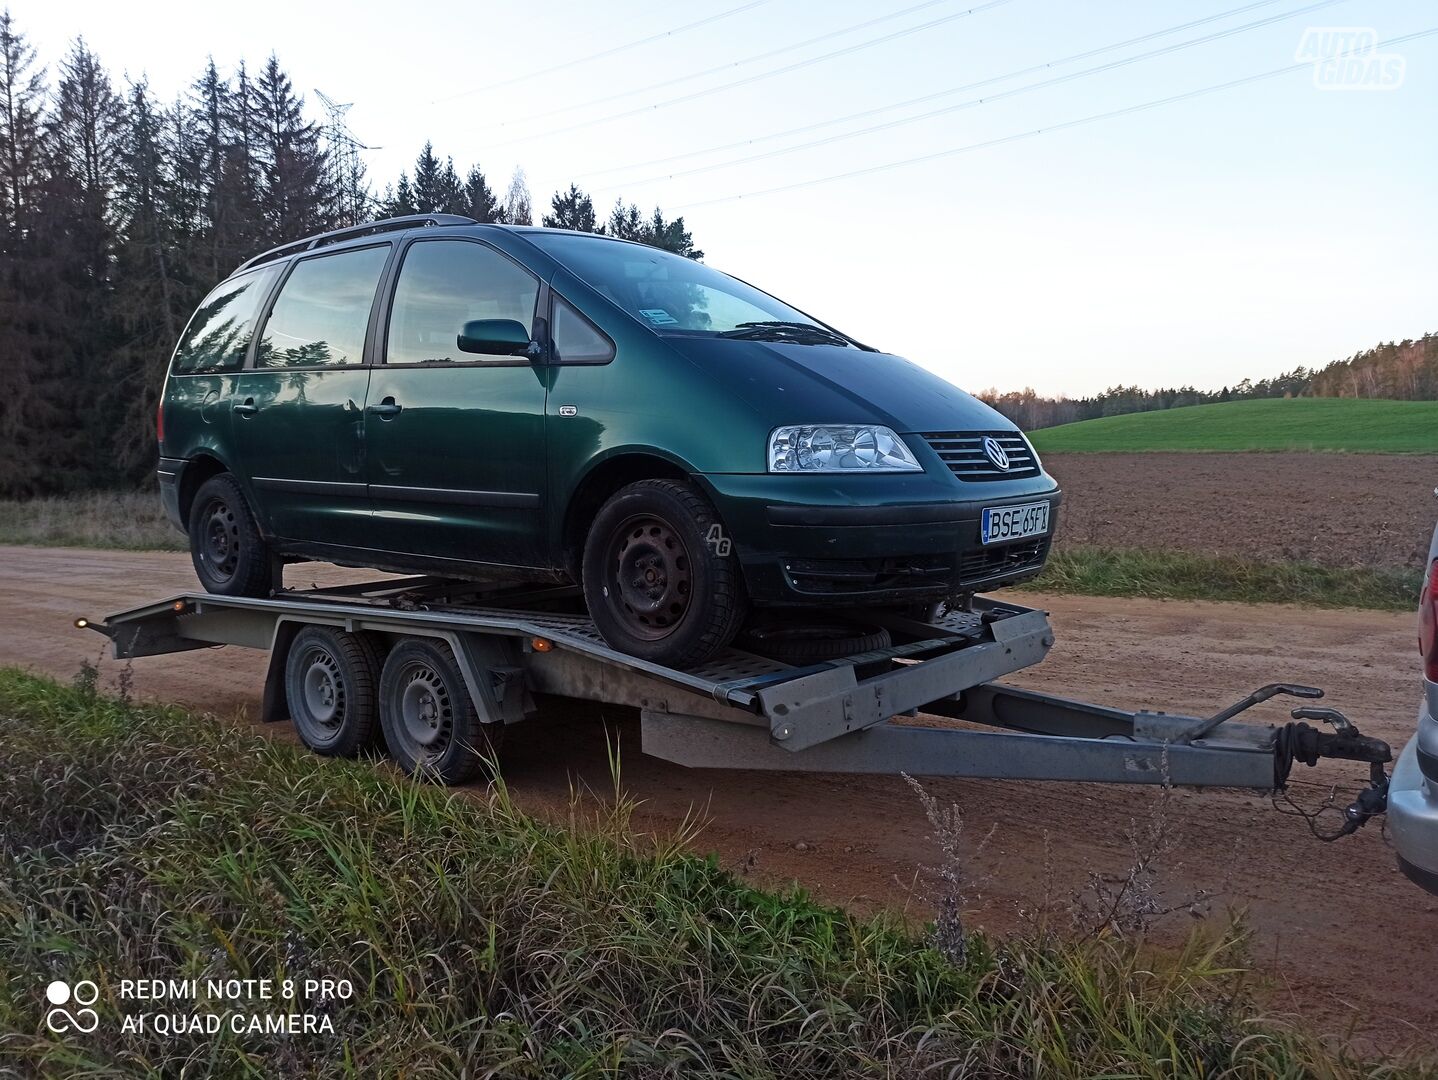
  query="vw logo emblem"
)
[{"x": 996, "y": 453}]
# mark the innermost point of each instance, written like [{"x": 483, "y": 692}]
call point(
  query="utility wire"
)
[
  {"x": 606, "y": 52},
  {"x": 758, "y": 77},
  {"x": 591, "y": 102},
  {"x": 1095, "y": 118},
  {"x": 866, "y": 113},
  {"x": 974, "y": 102}
]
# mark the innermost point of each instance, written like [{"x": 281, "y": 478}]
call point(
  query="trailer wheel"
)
[
  {"x": 332, "y": 688},
  {"x": 429, "y": 721}
]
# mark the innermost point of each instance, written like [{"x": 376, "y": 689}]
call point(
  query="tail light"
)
[
  {"x": 160, "y": 422},
  {"x": 1428, "y": 624}
]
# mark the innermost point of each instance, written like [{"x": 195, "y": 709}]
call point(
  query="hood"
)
[{"x": 817, "y": 384}]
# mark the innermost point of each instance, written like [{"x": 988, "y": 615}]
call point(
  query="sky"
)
[{"x": 1236, "y": 233}]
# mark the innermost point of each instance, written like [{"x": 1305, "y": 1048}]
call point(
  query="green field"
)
[{"x": 1390, "y": 427}]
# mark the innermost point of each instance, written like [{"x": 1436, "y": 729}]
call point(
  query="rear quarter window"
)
[{"x": 219, "y": 332}]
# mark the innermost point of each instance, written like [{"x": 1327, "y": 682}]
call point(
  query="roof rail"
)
[{"x": 409, "y": 221}]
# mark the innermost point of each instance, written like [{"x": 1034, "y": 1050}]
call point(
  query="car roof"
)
[{"x": 358, "y": 233}]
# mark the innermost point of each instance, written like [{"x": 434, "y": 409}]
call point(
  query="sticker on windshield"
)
[{"x": 658, "y": 316}]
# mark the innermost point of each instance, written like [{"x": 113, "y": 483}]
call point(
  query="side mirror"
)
[{"x": 494, "y": 337}]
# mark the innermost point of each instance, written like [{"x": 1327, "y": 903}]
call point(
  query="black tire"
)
[
  {"x": 332, "y": 689},
  {"x": 661, "y": 580},
  {"x": 809, "y": 640},
  {"x": 430, "y": 724},
  {"x": 231, "y": 557}
]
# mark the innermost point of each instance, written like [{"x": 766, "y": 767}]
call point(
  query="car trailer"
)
[{"x": 927, "y": 705}]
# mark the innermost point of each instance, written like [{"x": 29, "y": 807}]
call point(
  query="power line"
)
[
  {"x": 606, "y": 52},
  {"x": 1112, "y": 65},
  {"x": 864, "y": 114},
  {"x": 760, "y": 76},
  {"x": 1096, "y": 117},
  {"x": 691, "y": 76}
]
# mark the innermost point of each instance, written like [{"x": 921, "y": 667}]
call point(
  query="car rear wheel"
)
[
  {"x": 660, "y": 577},
  {"x": 430, "y": 724},
  {"x": 230, "y": 556},
  {"x": 332, "y": 689}
]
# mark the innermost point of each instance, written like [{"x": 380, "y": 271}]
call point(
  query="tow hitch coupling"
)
[{"x": 1300, "y": 741}]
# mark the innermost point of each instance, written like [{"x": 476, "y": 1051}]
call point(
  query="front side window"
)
[
  {"x": 664, "y": 290},
  {"x": 576, "y": 340},
  {"x": 219, "y": 333},
  {"x": 322, "y": 312},
  {"x": 444, "y": 284}
]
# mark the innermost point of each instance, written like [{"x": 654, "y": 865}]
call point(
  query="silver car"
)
[{"x": 1413, "y": 792}]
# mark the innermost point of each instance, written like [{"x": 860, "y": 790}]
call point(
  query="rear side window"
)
[
  {"x": 219, "y": 333},
  {"x": 321, "y": 315},
  {"x": 444, "y": 284}
]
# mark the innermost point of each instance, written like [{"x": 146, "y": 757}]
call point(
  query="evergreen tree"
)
[
  {"x": 28, "y": 324},
  {"x": 294, "y": 191},
  {"x": 479, "y": 201},
  {"x": 428, "y": 186},
  {"x": 571, "y": 209}
]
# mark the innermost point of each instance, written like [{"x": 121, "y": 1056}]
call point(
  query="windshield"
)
[{"x": 669, "y": 292}]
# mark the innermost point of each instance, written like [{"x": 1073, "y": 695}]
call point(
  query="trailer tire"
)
[
  {"x": 230, "y": 556},
  {"x": 332, "y": 690},
  {"x": 661, "y": 580},
  {"x": 430, "y": 724}
]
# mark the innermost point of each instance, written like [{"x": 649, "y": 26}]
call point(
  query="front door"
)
[
  {"x": 299, "y": 412},
  {"x": 456, "y": 456}
]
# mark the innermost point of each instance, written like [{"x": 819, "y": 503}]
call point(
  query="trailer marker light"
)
[
  {"x": 178, "y": 605},
  {"x": 539, "y": 644}
]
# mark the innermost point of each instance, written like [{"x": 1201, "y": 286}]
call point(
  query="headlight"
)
[{"x": 837, "y": 448}]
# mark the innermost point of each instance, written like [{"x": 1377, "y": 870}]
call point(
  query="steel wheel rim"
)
[
  {"x": 323, "y": 687},
  {"x": 219, "y": 539},
  {"x": 426, "y": 710},
  {"x": 651, "y": 577}
]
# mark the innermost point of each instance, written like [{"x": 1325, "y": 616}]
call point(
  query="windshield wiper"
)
[{"x": 797, "y": 333}]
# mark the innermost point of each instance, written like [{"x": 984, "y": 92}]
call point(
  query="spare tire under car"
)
[{"x": 811, "y": 639}]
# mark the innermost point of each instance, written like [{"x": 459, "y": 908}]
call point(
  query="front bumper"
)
[
  {"x": 807, "y": 540},
  {"x": 1413, "y": 801}
]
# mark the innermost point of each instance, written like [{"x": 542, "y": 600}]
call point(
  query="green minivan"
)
[{"x": 433, "y": 395}]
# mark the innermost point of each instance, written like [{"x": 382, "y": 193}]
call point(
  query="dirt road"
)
[{"x": 1347, "y": 942}]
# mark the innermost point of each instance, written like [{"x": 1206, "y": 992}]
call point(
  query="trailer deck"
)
[{"x": 927, "y": 705}]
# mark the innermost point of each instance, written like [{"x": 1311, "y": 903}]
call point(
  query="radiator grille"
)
[{"x": 963, "y": 452}]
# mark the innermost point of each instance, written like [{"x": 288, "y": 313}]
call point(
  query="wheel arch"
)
[
  {"x": 201, "y": 467},
  {"x": 602, "y": 479}
]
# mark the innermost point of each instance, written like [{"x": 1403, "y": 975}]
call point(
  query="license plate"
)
[{"x": 1003, "y": 523}]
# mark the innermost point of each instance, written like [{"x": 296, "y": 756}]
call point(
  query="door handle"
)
[
  {"x": 386, "y": 409},
  {"x": 248, "y": 408}
]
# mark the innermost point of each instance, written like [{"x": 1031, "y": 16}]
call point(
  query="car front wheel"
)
[{"x": 660, "y": 576}]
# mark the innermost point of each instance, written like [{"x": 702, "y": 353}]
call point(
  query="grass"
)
[
  {"x": 141, "y": 842},
  {"x": 1409, "y": 427},
  {"x": 128, "y": 520},
  {"x": 1177, "y": 575}
]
